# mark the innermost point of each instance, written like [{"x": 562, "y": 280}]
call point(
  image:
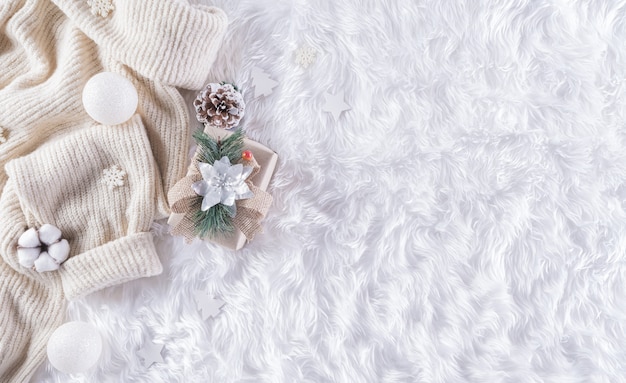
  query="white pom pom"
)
[
  {"x": 27, "y": 256},
  {"x": 110, "y": 98},
  {"x": 74, "y": 347},
  {"x": 49, "y": 234},
  {"x": 30, "y": 238},
  {"x": 59, "y": 251},
  {"x": 45, "y": 263}
]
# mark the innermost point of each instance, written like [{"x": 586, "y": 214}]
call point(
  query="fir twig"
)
[
  {"x": 234, "y": 86},
  {"x": 215, "y": 221},
  {"x": 212, "y": 149}
]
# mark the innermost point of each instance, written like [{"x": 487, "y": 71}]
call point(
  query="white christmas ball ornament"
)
[
  {"x": 74, "y": 347},
  {"x": 110, "y": 98}
]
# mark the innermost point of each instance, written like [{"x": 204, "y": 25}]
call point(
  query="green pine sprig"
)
[
  {"x": 212, "y": 223},
  {"x": 215, "y": 221},
  {"x": 234, "y": 86},
  {"x": 212, "y": 149}
]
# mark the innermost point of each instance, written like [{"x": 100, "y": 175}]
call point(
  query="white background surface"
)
[{"x": 464, "y": 222}]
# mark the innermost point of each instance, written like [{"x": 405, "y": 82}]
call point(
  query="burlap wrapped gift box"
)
[{"x": 266, "y": 158}]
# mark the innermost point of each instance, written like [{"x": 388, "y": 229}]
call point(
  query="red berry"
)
[{"x": 246, "y": 155}]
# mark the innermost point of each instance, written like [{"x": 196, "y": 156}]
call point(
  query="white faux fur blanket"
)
[{"x": 465, "y": 221}]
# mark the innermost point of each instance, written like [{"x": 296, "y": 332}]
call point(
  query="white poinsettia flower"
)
[
  {"x": 224, "y": 184},
  {"x": 43, "y": 249}
]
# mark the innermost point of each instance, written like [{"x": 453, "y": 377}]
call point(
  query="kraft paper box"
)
[{"x": 267, "y": 159}]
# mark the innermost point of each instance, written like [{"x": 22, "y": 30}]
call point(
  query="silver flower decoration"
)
[{"x": 223, "y": 183}]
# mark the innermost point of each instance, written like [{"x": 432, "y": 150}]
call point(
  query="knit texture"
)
[{"x": 56, "y": 163}]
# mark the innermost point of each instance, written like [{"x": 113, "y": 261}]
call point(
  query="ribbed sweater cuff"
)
[
  {"x": 116, "y": 262},
  {"x": 164, "y": 40}
]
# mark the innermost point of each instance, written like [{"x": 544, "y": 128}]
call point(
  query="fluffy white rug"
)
[{"x": 464, "y": 222}]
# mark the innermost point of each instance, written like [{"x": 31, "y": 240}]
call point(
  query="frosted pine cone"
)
[{"x": 220, "y": 105}]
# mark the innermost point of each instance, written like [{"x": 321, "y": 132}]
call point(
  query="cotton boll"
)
[
  {"x": 110, "y": 98},
  {"x": 49, "y": 234},
  {"x": 45, "y": 263},
  {"x": 30, "y": 238},
  {"x": 59, "y": 251},
  {"x": 27, "y": 256},
  {"x": 74, "y": 347}
]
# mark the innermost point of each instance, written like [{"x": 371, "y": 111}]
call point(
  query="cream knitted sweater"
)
[{"x": 54, "y": 159}]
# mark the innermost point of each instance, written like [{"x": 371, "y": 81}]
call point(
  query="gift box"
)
[{"x": 266, "y": 159}]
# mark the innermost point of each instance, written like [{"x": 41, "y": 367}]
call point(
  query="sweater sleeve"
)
[
  {"x": 98, "y": 187},
  {"x": 165, "y": 40}
]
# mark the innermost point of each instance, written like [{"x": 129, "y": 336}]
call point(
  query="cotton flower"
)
[{"x": 43, "y": 249}]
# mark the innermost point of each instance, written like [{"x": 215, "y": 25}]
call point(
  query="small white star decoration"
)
[
  {"x": 305, "y": 56},
  {"x": 101, "y": 7},
  {"x": 207, "y": 305},
  {"x": 335, "y": 104},
  {"x": 262, "y": 83},
  {"x": 3, "y": 137},
  {"x": 151, "y": 353},
  {"x": 113, "y": 177}
]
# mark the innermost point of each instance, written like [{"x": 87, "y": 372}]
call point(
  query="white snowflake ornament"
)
[
  {"x": 42, "y": 249},
  {"x": 3, "y": 137},
  {"x": 305, "y": 56},
  {"x": 113, "y": 177},
  {"x": 101, "y": 7}
]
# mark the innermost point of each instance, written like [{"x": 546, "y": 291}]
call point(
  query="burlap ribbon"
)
[{"x": 250, "y": 211}]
